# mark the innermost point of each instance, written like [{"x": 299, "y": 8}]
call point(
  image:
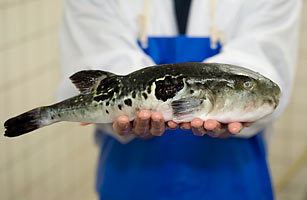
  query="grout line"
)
[
  {"x": 8, "y": 85},
  {"x": 291, "y": 171},
  {"x": 28, "y": 152},
  {"x": 85, "y": 176},
  {"x": 29, "y": 37},
  {"x": 13, "y": 4},
  {"x": 76, "y": 152}
]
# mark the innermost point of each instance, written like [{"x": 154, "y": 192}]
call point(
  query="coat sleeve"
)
[
  {"x": 96, "y": 34},
  {"x": 265, "y": 41}
]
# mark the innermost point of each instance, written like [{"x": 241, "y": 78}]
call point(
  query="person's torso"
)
[
  {"x": 179, "y": 165},
  {"x": 160, "y": 18}
]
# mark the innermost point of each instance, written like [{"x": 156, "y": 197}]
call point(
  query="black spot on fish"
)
[
  {"x": 107, "y": 88},
  {"x": 107, "y": 111},
  {"x": 107, "y": 84},
  {"x": 103, "y": 97},
  {"x": 168, "y": 88},
  {"x": 191, "y": 91},
  {"x": 144, "y": 95},
  {"x": 119, "y": 106},
  {"x": 128, "y": 102},
  {"x": 149, "y": 89},
  {"x": 113, "y": 99},
  {"x": 133, "y": 94},
  {"x": 116, "y": 89},
  {"x": 108, "y": 103}
]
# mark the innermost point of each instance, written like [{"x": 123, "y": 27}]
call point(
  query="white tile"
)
[
  {"x": 5, "y": 185},
  {"x": 3, "y": 69},
  {"x": 38, "y": 54},
  {"x": 3, "y": 2},
  {"x": 41, "y": 90},
  {"x": 2, "y": 24},
  {"x": 32, "y": 17},
  {"x": 12, "y": 23},
  {"x": 15, "y": 63},
  {"x": 51, "y": 12},
  {"x": 27, "y": 58},
  {"x": 18, "y": 179},
  {"x": 40, "y": 191}
]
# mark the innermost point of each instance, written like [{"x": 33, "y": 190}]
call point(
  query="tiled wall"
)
[
  {"x": 288, "y": 146},
  {"x": 58, "y": 162}
]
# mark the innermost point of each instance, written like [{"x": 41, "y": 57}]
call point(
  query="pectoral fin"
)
[
  {"x": 186, "y": 106},
  {"x": 201, "y": 103}
]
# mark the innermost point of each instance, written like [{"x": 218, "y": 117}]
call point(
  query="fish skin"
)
[{"x": 181, "y": 92}]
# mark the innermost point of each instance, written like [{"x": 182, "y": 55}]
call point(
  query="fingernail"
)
[
  {"x": 156, "y": 116},
  {"x": 211, "y": 125},
  {"x": 235, "y": 128},
  {"x": 197, "y": 123},
  {"x": 172, "y": 125}
]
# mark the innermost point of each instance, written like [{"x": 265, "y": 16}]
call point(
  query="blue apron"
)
[{"x": 179, "y": 165}]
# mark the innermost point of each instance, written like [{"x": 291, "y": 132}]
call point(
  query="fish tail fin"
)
[{"x": 26, "y": 122}]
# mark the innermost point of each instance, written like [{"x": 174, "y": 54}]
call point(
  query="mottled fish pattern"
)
[{"x": 183, "y": 91}]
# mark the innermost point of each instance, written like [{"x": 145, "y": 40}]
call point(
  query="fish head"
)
[
  {"x": 260, "y": 91},
  {"x": 267, "y": 92},
  {"x": 245, "y": 95}
]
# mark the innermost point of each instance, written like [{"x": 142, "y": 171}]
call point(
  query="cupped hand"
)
[
  {"x": 148, "y": 124},
  {"x": 214, "y": 128}
]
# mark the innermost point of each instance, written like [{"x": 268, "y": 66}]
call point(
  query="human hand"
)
[
  {"x": 214, "y": 128},
  {"x": 146, "y": 124}
]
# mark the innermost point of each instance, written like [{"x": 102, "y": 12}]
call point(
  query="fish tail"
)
[{"x": 27, "y": 122}]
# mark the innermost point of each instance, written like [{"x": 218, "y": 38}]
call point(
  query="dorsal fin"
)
[{"x": 87, "y": 80}]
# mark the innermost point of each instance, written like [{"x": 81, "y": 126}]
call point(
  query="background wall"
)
[
  {"x": 58, "y": 162},
  {"x": 288, "y": 147}
]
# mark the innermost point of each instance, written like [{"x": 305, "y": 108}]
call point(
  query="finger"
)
[
  {"x": 215, "y": 128},
  {"x": 122, "y": 125},
  {"x": 185, "y": 125},
  {"x": 235, "y": 127},
  {"x": 198, "y": 127},
  {"x": 172, "y": 124},
  {"x": 157, "y": 124},
  {"x": 84, "y": 123},
  {"x": 141, "y": 123},
  {"x": 211, "y": 125}
]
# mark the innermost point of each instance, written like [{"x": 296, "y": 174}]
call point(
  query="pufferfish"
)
[{"x": 181, "y": 92}]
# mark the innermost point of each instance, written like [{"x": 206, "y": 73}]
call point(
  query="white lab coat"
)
[{"x": 257, "y": 34}]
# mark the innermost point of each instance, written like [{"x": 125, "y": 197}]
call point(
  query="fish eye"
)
[{"x": 248, "y": 84}]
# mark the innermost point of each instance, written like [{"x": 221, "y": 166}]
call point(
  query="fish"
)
[{"x": 181, "y": 92}]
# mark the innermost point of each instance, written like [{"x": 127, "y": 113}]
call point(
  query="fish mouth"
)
[
  {"x": 273, "y": 98},
  {"x": 272, "y": 101}
]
